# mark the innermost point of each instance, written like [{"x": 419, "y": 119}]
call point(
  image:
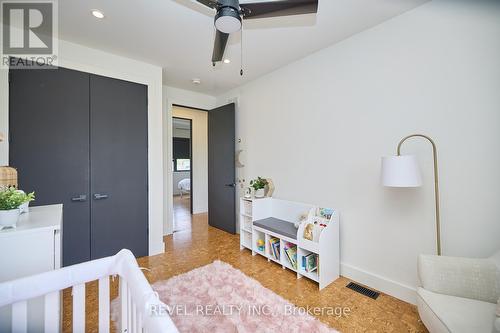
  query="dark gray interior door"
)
[
  {"x": 119, "y": 167},
  {"x": 221, "y": 168},
  {"x": 49, "y": 146}
]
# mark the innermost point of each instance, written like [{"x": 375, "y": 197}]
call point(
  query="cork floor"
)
[
  {"x": 182, "y": 213},
  {"x": 197, "y": 244}
]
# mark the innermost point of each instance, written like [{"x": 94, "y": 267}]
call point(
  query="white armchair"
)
[{"x": 459, "y": 294}]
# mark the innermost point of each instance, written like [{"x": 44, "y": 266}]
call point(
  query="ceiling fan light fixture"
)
[
  {"x": 97, "y": 13},
  {"x": 227, "y": 20}
]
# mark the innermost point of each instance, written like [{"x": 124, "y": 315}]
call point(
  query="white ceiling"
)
[{"x": 178, "y": 35}]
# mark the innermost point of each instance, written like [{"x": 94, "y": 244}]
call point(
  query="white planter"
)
[
  {"x": 259, "y": 193},
  {"x": 24, "y": 208},
  {"x": 9, "y": 218}
]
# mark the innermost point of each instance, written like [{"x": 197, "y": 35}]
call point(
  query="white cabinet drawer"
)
[{"x": 26, "y": 254}]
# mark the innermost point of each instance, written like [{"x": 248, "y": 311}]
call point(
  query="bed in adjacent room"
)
[{"x": 184, "y": 186}]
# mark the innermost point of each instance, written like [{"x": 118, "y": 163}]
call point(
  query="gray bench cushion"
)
[{"x": 278, "y": 226}]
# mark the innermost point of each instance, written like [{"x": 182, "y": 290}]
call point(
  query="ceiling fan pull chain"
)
[
  {"x": 215, "y": 34},
  {"x": 241, "y": 52}
]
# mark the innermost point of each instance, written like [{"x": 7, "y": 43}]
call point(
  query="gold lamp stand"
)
[{"x": 436, "y": 183}]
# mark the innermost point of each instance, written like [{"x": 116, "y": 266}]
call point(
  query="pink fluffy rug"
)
[{"x": 219, "y": 298}]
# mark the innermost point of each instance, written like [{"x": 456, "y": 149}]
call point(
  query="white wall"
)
[
  {"x": 183, "y": 97},
  {"x": 199, "y": 160},
  {"x": 93, "y": 61},
  {"x": 319, "y": 127}
]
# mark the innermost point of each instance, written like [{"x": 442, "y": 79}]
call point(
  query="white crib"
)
[{"x": 139, "y": 304}]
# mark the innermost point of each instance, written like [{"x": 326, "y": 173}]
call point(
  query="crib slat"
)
[
  {"x": 51, "y": 315},
  {"x": 139, "y": 322},
  {"x": 124, "y": 307},
  {"x": 134, "y": 317},
  {"x": 79, "y": 308},
  {"x": 104, "y": 304},
  {"x": 129, "y": 312},
  {"x": 19, "y": 317}
]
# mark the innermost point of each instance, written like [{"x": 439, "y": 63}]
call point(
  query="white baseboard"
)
[
  {"x": 156, "y": 250},
  {"x": 380, "y": 283}
]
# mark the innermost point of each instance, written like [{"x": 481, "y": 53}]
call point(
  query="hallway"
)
[{"x": 182, "y": 214}]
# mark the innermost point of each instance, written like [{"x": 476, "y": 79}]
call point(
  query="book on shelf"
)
[
  {"x": 291, "y": 254},
  {"x": 310, "y": 262},
  {"x": 326, "y": 213},
  {"x": 275, "y": 248}
]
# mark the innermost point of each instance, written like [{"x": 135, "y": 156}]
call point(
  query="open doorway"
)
[
  {"x": 189, "y": 166},
  {"x": 182, "y": 148},
  {"x": 211, "y": 160}
]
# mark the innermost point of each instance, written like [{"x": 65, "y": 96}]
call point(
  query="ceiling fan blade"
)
[
  {"x": 219, "y": 46},
  {"x": 278, "y": 8},
  {"x": 208, "y": 3}
]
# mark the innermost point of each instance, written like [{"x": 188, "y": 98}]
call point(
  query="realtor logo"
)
[{"x": 29, "y": 33}]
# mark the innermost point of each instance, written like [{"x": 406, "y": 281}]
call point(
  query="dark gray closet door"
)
[
  {"x": 221, "y": 168},
  {"x": 119, "y": 167},
  {"x": 49, "y": 146}
]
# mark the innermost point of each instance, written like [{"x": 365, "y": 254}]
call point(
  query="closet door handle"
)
[
  {"x": 230, "y": 185},
  {"x": 98, "y": 196},
  {"x": 80, "y": 198}
]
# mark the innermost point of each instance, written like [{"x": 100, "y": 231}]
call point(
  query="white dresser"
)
[{"x": 34, "y": 246}]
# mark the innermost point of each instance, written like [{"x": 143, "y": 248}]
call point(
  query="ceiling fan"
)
[{"x": 230, "y": 13}]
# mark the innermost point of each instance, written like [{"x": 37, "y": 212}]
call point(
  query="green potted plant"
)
[
  {"x": 10, "y": 201},
  {"x": 258, "y": 185}
]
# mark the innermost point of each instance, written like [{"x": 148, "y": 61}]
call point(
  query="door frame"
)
[
  {"x": 169, "y": 102},
  {"x": 191, "y": 163}
]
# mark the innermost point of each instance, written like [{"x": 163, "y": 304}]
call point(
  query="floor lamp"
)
[{"x": 403, "y": 171}]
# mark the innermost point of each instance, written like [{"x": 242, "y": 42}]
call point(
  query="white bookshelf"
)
[{"x": 327, "y": 247}]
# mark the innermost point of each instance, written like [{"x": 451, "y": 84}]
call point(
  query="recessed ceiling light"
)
[
  {"x": 227, "y": 61},
  {"x": 196, "y": 81},
  {"x": 98, "y": 14}
]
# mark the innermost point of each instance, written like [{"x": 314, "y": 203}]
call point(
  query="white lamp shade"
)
[{"x": 401, "y": 171}]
